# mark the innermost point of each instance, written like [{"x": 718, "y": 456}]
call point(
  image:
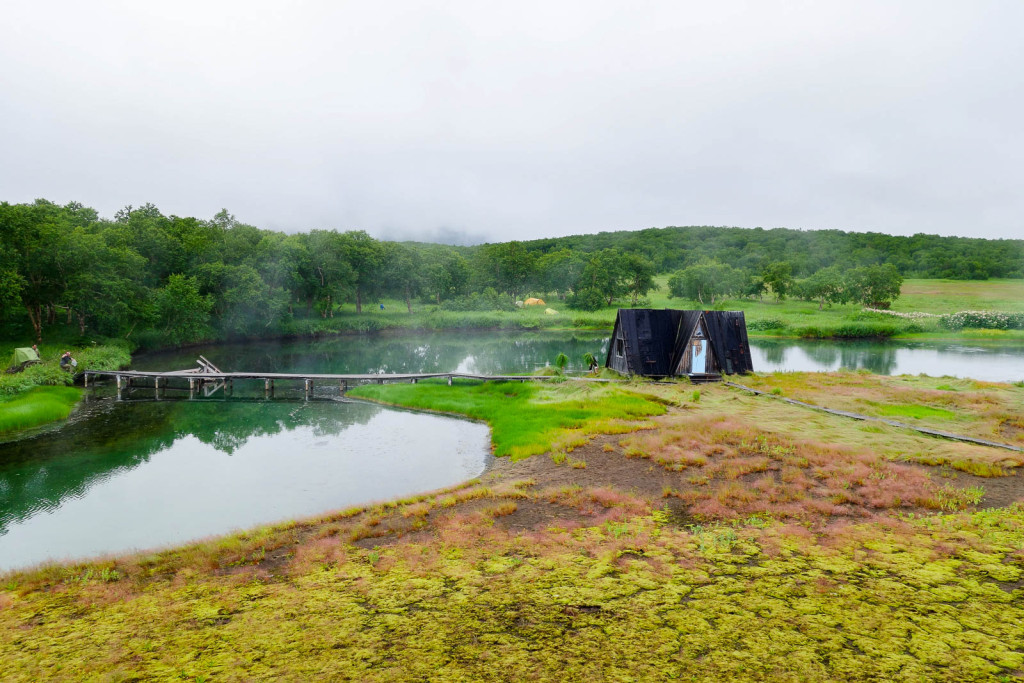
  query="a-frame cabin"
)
[{"x": 668, "y": 342}]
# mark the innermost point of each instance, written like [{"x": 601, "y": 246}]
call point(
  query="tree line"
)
[
  {"x": 876, "y": 286},
  {"x": 184, "y": 279}
]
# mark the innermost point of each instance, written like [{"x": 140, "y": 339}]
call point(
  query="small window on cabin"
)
[
  {"x": 620, "y": 347},
  {"x": 699, "y": 332}
]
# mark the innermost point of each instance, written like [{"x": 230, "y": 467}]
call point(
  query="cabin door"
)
[{"x": 696, "y": 360}]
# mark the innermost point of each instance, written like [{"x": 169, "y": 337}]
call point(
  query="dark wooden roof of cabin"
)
[{"x": 656, "y": 339}]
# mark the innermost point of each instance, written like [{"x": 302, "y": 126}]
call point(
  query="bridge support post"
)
[
  {"x": 268, "y": 388},
  {"x": 119, "y": 382},
  {"x": 309, "y": 388},
  {"x": 156, "y": 387},
  {"x": 449, "y": 380},
  {"x": 85, "y": 380},
  {"x": 414, "y": 380},
  {"x": 191, "y": 387}
]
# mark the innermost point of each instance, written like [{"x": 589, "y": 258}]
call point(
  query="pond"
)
[
  {"x": 987, "y": 361},
  {"x": 524, "y": 352},
  {"x": 142, "y": 473}
]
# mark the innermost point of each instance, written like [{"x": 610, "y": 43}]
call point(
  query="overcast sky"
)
[{"x": 493, "y": 121}]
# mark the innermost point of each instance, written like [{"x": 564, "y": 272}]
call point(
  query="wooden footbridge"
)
[{"x": 207, "y": 379}]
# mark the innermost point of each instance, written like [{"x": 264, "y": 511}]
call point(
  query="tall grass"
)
[{"x": 37, "y": 406}]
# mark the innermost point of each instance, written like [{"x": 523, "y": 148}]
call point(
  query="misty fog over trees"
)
[{"x": 182, "y": 279}]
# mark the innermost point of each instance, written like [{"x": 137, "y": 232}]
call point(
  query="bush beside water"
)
[{"x": 986, "y": 320}]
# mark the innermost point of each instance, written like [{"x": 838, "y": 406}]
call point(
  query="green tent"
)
[{"x": 23, "y": 357}]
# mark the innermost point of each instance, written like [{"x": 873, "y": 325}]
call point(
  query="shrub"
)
[
  {"x": 487, "y": 300},
  {"x": 766, "y": 324},
  {"x": 987, "y": 320},
  {"x": 586, "y": 300}
]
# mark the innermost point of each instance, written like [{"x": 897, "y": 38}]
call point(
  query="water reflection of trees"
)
[
  {"x": 827, "y": 355},
  {"x": 492, "y": 353},
  {"x": 878, "y": 358},
  {"x": 774, "y": 351},
  {"x": 37, "y": 474}
]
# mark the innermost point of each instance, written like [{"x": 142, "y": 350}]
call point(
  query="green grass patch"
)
[
  {"x": 917, "y": 412},
  {"x": 36, "y": 407},
  {"x": 525, "y": 418}
]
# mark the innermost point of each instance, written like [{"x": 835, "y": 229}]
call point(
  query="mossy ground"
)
[{"x": 637, "y": 556}]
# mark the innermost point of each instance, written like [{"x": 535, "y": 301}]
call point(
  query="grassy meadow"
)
[
  {"x": 41, "y": 393},
  {"x": 767, "y": 317},
  {"x": 708, "y": 535}
]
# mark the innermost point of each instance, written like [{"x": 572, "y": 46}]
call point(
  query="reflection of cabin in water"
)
[{"x": 667, "y": 342}]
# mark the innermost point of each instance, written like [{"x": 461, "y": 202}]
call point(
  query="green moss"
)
[
  {"x": 629, "y": 601},
  {"x": 913, "y": 411}
]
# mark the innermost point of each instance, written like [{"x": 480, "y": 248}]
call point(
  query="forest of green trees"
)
[{"x": 180, "y": 280}]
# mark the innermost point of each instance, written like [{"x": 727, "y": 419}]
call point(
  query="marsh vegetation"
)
[{"x": 715, "y": 535}]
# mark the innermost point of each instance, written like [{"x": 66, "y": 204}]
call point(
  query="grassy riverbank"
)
[
  {"x": 41, "y": 393},
  {"x": 36, "y": 407},
  {"x": 526, "y": 418},
  {"x": 109, "y": 355},
  {"x": 711, "y": 535}
]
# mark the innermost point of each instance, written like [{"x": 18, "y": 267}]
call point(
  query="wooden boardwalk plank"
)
[
  {"x": 299, "y": 376},
  {"x": 892, "y": 423}
]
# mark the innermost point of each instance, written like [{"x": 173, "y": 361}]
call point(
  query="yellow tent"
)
[{"x": 534, "y": 302}]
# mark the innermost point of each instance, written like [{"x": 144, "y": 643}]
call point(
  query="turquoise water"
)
[{"x": 139, "y": 473}]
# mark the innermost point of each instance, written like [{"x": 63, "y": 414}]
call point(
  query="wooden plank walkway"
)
[
  {"x": 208, "y": 379},
  {"x": 892, "y": 423},
  {"x": 322, "y": 377}
]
